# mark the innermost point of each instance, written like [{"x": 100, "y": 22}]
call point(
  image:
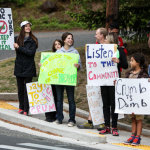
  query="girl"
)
[
  {"x": 108, "y": 92},
  {"x": 68, "y": 41},
  {"x": 57, "y": 44},
  {"x": 138, "y": 70},
  {"x": 25, "y": 45},
  {"x": 51, "y": 116}
]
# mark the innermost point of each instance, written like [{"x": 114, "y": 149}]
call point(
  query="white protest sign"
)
[
  {"x": 132, "y": 96},
  {"x": 6, "y": 29},
  {"x": 101, "y": 70},
  {"x": 40, "y": 98},
  {"x": 95, "y": 104}
]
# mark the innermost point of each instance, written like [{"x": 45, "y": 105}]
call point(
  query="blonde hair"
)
[
  {"x": 110, "y": 39},
  {"x": 103, "y": 31}
]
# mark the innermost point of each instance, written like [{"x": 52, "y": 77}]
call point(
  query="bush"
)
[{"x": 18, "y": 2}]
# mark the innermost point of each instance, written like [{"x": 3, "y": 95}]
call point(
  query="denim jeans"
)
[{"x": 60, "y": 97}]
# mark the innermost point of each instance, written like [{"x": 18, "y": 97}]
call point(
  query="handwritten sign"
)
[
  {"x": 132, "y": 96},
  {"x": 40, "y": 98},
  {"x": 101, "y": 70},
  {"x": 6, "y": 29},
  {"x": 58, "y": 68},
  {"x": 95, "y": 104}
]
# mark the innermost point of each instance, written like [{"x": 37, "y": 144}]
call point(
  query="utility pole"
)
[{"x": 112, "y": 10}]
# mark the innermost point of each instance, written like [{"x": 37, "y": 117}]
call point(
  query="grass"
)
[{"x": 57, "y": 20}]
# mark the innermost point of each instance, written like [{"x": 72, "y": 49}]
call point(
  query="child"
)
[
  {"x": 51, "y": 116},
  {"x": 57, "y": 44},
  {"x": 25, "y": 45},
  {"x": 67, "y": 39},
  {"x": 108, "y": 92},
  {"x": 138, "y": 70}
]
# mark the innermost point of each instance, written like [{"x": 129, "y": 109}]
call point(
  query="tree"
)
[
  {"x": 112, "y": 9},
  {"x": 133, "y": 14}
]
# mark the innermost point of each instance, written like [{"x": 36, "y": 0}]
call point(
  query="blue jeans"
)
[{"x": 60, "y": 97}]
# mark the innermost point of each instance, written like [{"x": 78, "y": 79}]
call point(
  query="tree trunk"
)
[{"x": 112, "y": 9}]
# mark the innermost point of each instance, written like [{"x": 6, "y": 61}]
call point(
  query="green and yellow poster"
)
[{"x": 58, "y": 68}]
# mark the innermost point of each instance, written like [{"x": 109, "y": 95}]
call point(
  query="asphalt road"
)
[
  {"x": 46, "y": 40},
  {"x": 15, "y": 140}
]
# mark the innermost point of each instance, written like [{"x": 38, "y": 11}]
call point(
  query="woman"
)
[
  {"x": 25, "y": 45},
  {"x": 68, "y": 41}
]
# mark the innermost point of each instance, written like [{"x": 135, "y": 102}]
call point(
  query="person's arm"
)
[
  {"x": 28, "y": 51},
  {"x": 122, "y": 59}
]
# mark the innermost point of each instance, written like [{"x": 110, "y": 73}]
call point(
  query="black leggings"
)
[
  {"x": 108, "y": 97},
  {"x": 22, "y": 92},
  {"x": 51, "y": 116}
]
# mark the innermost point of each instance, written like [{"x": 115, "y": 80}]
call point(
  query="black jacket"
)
[
  {"x": 122, "y": 60},
  {"x": 24, "y": 63}
]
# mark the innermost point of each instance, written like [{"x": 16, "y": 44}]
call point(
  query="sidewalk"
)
[{"x": 8, "y": 111}]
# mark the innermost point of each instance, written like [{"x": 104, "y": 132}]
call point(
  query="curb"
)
[
  {"x": 62, "y": 131},
  {"x": 8, "y": 96},
  {"x": 81, "y": 113}
]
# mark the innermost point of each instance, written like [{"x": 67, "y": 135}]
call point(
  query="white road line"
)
[
  {"x": 14, "y": 147},
  {"x": 42, "y": 146}
]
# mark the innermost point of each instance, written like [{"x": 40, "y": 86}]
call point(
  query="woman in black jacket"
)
[{"x": 25, "y": 45}]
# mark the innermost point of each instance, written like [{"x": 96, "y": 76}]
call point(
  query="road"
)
[
  {"x": 46, "y": 40},
  {"x": 15, "y": 140}
]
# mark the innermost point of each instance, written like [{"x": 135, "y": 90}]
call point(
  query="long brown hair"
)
[
  {"x": 20, "y": 39},
  {"x": 53, "y": 47}
]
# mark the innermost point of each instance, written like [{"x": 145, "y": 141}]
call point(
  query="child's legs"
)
[
  {"x": 72, "y": 105},
  {"x": 134, "y": 126},
  {"x": 139, "y": 120},
  {"x": 90, "y": 117},
  {"x": 51, "y": 116},
  {"x": 106, "y": 105},
  {"x": 139, "y": 127},
  {"x": 60, "y": 97},
  {"x": 112, "y": 102}
]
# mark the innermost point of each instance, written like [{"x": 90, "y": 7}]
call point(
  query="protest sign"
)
[
  {"x": 58, "y": 68},
  {"x": 40, "y": 98},
  {"x": 6, "y": 29},
  {"x": 95, "y": 104},
  {"x": 132, "y": 96},
  {"x": 101, "y": 70}
]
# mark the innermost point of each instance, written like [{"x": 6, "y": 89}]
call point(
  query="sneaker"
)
[
  {"x": 101, "y": 127},
  {"x": 71, "y": 124},
  {"x": 86, "y": 125},
  {"x": 20, "y": 111},
  {"x": 106, "y": 130},
  {"x": 58, "y": 122},
  {"x": 130, "y": 140},
  {"x": 136, "y": 141},
  {"x": 115, "y": 132},
  {"x": 25, "y": 113},
  {"x": 50, "y": 120}
]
